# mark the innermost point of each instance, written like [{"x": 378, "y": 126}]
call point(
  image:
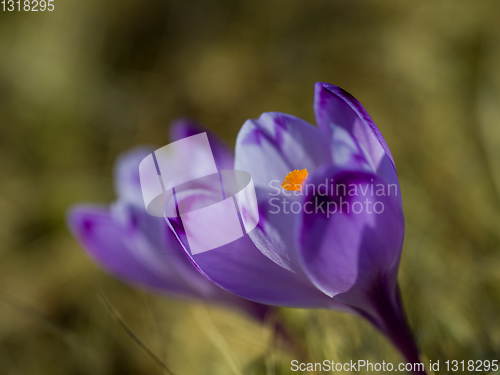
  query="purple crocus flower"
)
[
  {"x": 139, "y": 248},
  {"x": 303, "y": 253}
]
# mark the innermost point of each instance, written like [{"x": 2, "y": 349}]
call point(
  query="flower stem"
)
[
  {"x": 387, "y": 315},
  {"x": 394, "y": 325}
]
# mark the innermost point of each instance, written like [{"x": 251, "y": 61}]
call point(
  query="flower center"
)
[{"x": 295, "y": 179}]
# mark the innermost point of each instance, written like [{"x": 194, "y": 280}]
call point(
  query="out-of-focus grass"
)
[{"x": 83, "y": 83}]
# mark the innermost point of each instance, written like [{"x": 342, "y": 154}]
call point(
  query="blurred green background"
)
[{"x": 84, "y": 83}]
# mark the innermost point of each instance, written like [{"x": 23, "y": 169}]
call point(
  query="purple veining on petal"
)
[
  {"x": 334, "y": 105},
  {"x": 274, "y": 136},
  {"x": 281, "y": 147},
  {"x": 347, "y": 152}
]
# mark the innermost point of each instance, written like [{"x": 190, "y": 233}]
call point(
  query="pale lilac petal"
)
[
  {"x": 126, "y": 175},
  {"x": 182, "y": 128},
  {"x": 276, "y": 222},
  {"x": 347, "y": 152},
  {"x": 275, "y": 144}
]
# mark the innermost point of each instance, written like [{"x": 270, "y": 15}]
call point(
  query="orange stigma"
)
[{"x": 295, "y": 179}]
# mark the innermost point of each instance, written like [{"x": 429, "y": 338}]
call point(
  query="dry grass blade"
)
[
  {"x": 204, "y": 320},
  {"x": 131, "y": 334}
]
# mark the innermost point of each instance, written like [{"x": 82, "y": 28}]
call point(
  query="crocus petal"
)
[
  {"x": 142, "y": 250},
  {"x": 240, "y": 268},
  {"x": 183, "y": 127},
  {"x": 275, "y": 144},
  {"x": 126, "y": 171},
  {"x": 272, "y": 234},
  {"x": 347, "y": 152},
  {"x": 332, "y": 105},
  {"x": 117, "y": 248},
  {"x": 345, "y": 253}
]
